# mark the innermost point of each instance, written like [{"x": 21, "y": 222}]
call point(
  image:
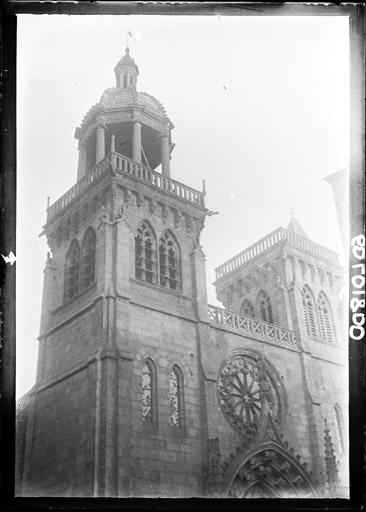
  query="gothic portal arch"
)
[{"x": 269, "y": 471}]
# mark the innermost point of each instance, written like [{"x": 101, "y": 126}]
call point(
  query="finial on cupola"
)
[{"x": 126, "y": 71}]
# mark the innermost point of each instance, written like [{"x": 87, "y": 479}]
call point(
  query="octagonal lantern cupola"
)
[
  {"x": 128, "y": 122},
  {"x": 126, "y": 72}
]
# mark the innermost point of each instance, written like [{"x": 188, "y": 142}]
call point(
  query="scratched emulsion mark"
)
[{"x": 11, "y": 258}]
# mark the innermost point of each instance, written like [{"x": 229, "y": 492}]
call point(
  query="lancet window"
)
[
  {"x": 325, "y": 318},
  {"x": 145, "y": 253},
  {"x": 247, "y": 308},
  {"x": 71, "y": 283},
  {"x": 87, "y": 260},
  {"x": 264, "y": 306},
  {"x": 310, "y": 314},
  {"x": 169, "y": 262},
  {"x": 176, "y": 397},
  {"x": 149, "y": 392}
]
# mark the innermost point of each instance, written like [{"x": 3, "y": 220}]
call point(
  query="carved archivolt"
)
[{"x": 271, "y": 472}]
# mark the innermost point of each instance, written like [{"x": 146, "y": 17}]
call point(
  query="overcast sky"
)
[{"x": 261, "y": 112}]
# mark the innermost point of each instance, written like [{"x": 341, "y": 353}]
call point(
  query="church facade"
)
[{"x": 143, "y": 388}]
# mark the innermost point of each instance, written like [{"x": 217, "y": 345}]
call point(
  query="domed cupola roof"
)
[
  {"x": 151, "y": 103},
  {"x": 124, "y": 96},
  {"x": 116, "y": 98},
  {"x": 132, "y": 123}
]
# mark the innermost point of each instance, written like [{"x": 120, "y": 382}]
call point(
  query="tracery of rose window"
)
[{"x": 244, "y": 388}]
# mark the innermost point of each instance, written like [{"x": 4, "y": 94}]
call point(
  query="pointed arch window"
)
[
  {"x": 247, "y": 308},
  {"x": 310, "y": 315},
  {"x": 338, "y": 421},
  {"x": 176, "y": 397},
  {"x": 145, "y": 253},
  {"x": 87, "y": 260},
  {"x": 71, "y": 282},
  {"x": 149, "y": 408},
  {"x": 169, "y": 262},
  {"x": 264, "y": 306},
  {"x": 325, "y": 318}
]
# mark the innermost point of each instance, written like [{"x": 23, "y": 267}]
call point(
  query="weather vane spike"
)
[
  {"x": 128, "y": 34},
  {"x": 292, "y": 211}
]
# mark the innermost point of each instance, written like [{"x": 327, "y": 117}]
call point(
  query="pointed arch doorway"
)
[{"x": 269, "y": 471}]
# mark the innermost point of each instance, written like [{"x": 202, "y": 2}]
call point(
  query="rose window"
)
[{"x": 244, "y": 388}]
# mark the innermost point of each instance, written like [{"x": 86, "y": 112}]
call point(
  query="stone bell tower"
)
[
  {"x": 124, "y": 285},
  {"x": 287, "y": 280},
  {"x": 270, "y": 281},
  {"x": 142, "y": 388}
]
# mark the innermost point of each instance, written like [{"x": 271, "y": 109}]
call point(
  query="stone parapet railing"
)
[
  {"x": 75, "y": 191},
  {"x": 278, "y": 236},
  {"x": 124, "y": 165},
  {"x": 151, "y": 177},
  {"x": 252, "y": 326}
]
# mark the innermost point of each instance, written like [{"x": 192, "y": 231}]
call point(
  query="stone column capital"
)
[{"x": 100, "y": 124}]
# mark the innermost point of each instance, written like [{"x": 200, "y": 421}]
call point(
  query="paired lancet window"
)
[
  {"x": 325, "y": 318},
  {"x": 176, "y": 397},
  {"x": 247, "y": 308},
  {"x": 87, "y": 260},
  {"x": 80, "y": 265},
  {"x": 264, "y": 306},
  {"x": 71, "y": 286},
  {"x": 149, "y": 394},
  {"x": 145, "y": 249},
  {"x": 318, "y": 315},
  {"x": 149, "y": 261},
  {"x": 168, "y": 262},
  {"x": 308, "y": 304}
]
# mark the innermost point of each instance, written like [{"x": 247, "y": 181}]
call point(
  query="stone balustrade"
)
[
  {"x": 312, "y": 248},
  {"x": 280, "y": 235},
  {"x": 75, "y": 191},
  {"x": 252, "y": 326},
  {"x": 124, "y": 165},
  {"x": 147, "y": 175}
]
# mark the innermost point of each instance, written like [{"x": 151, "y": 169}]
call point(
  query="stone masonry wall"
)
[
  {"x": 164, "y": 460},
  {"x": 72, "y": 343},
  {"x": 60, "y": 458}
]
